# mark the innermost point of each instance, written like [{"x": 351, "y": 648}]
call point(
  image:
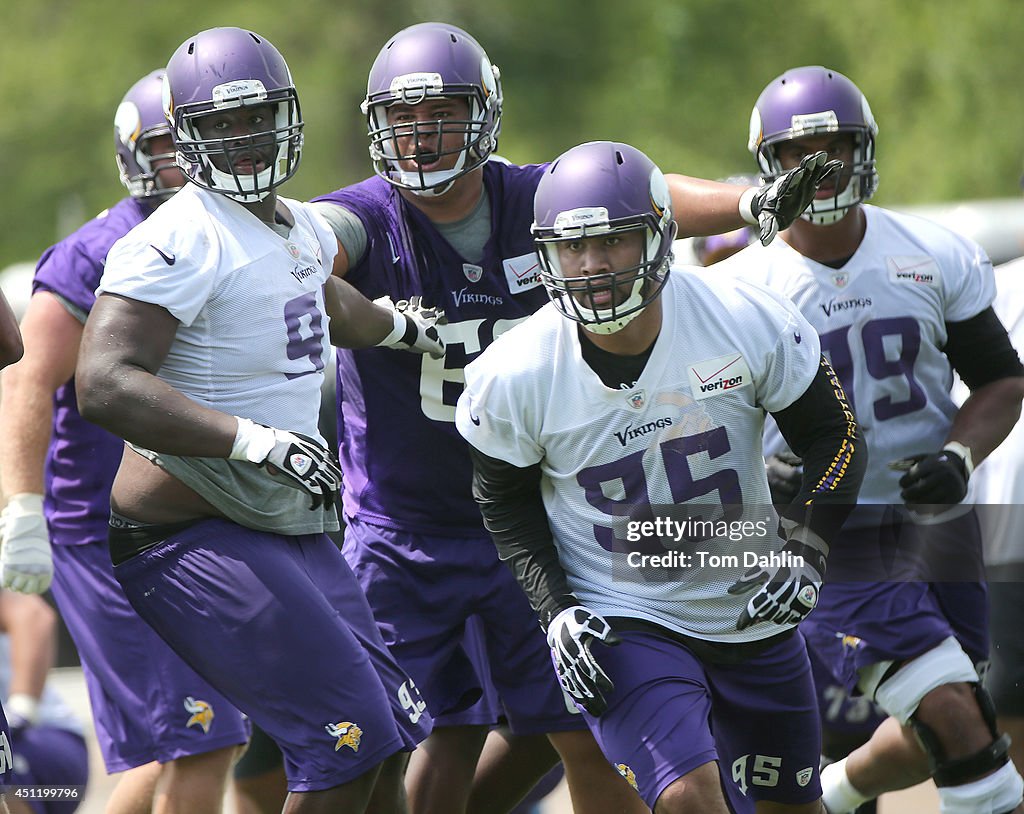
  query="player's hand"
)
[
  {"x": 785, "y": 477},
  {"x": 415, "y": 327},
  {"x": 570, "y": 635},
  {"x": 777, "y": 204},
  {"x": 936, "y": 478},
  {"x": 298, "y": 460},
  {"x": 26, "y": 563},
  {"x": 787, "y": 593}
]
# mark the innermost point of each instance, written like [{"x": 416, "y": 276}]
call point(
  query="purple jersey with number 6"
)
[
  {"x": 82, "y": 458},
  {"x": 405, "y": 465}
]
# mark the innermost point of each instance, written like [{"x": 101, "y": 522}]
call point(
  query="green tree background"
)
[{"x": 677, "y": 78}]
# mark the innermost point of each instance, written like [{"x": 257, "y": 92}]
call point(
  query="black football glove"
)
[
  {"x": 777, "y": 204},
  {"x": 295, "y": 459},
  {"x": 787, "y": 592},
  {"x": 935, "y": 478},
  {"x": 570, "y": 635}
]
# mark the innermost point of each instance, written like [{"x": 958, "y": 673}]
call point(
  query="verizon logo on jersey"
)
[
  {"x": 521, "y": 273},
  {"x": 712, "y": 377},
  {"x": 920, "y": 270}
]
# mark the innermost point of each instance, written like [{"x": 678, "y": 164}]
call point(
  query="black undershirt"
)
[{"x": 617, "y": 371}]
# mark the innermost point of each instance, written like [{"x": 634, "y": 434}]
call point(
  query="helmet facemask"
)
[
  {"x": 282, "y": 145},
  {"x": 478, "y": 132},
  {"x": 574, "y": 296}
]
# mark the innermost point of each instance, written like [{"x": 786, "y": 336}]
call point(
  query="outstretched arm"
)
[{"x": 709, "y": 207}]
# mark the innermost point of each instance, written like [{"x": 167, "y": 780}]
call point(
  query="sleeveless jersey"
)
[{"x": 405, "y": 465}]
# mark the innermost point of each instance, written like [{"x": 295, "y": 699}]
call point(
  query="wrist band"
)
[
  {"x": 746, "y": 210},
  {"x": 964, "y": 452},
  {"x": 397, "y": 332}
]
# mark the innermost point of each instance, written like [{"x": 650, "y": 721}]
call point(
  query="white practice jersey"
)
[
  {"x": 684, "y": 441},
  {"x": 999, "y": 479},
  {"x": 252, "y": 339},
  {"x": 250, "y": 303},
  {"x": 882, "y": 321}
]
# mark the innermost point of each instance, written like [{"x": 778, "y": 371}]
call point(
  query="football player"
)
[
  {"x": 635, "y": 401},
  {"x": 205, "y": 351},
  {"x": 445, "y": 219},
  {"x": 57, "y": 470},
  {"x": 899, "y": 303},
  {"x": 999, "y": 494}
]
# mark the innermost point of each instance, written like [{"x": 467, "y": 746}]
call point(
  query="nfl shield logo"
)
[
  {"x": 840, "y": 278},
  {"x": 803, "y": 777},
  {"x": 636, "y": 400},
  {"x": 293, "y": 250},
  {"x": 473, "y": 273}
]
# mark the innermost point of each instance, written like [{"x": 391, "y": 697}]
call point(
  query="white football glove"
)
[
  {"x": 774, "y": 206},
  {"x": 26, "y": 563},
  {"x": 787, "y": 592},
  {"x": 301, "y": 462},
  {"x": 415, "y": 327},
  {"x": 570, "y": 635}
]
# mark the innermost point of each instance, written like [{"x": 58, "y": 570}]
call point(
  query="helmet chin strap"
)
[
  {"x": 605, "y": 324},
  {"x": 435, "y": 183}
]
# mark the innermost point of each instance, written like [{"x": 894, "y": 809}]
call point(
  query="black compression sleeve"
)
[
  {"x": 513, "y": 511},
  {"x": 980, "y": 350},
  {"x": 821, "y": 429}
]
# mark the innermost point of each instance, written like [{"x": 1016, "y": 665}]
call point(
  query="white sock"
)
[{"x": 837, "y": 792}]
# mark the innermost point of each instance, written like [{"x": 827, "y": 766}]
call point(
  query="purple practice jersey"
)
[
  {"x": 406, "y": 467},
  {"x": 82, "y": 459}
]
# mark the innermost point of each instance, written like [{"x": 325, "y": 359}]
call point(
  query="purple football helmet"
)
[
  {"x": 419, "y": 63},
  {"x": 811, "y": 101},
  {"x": 603, "y": 188},
  {"x": 140, "y": 117},
  {"x": 223, "y": 68}
]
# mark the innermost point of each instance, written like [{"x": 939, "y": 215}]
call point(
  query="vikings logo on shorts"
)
[
  {"x": 628, "y": 774},
  {"x": 848, "y": 641},
  {"x": 347, "y": 733},
  {"x": 201, "y": 712}
]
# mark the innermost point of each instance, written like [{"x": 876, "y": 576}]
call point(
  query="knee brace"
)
[
  {"x": 899, "y": 688},
  {"x": 958, "y": 771}
]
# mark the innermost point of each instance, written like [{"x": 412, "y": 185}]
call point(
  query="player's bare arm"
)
[
  {"x": 709, "y": 207},
  {"x": 51, "y": 337},
  {"x": 358, "y": 323},
  {"x": 123, "y": 346}
]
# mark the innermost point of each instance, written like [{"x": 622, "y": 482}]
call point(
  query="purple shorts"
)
[
  {"x": 671, "y": 713},
  {"x": 423, "y": 590},
  {"x": 48, "y": 756},
  {"x": 140, "y": 692},
  {"x": 281, "y": 627},
  {"x": 860, "y": 623},
  {"x": 841, "y": 713}
]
